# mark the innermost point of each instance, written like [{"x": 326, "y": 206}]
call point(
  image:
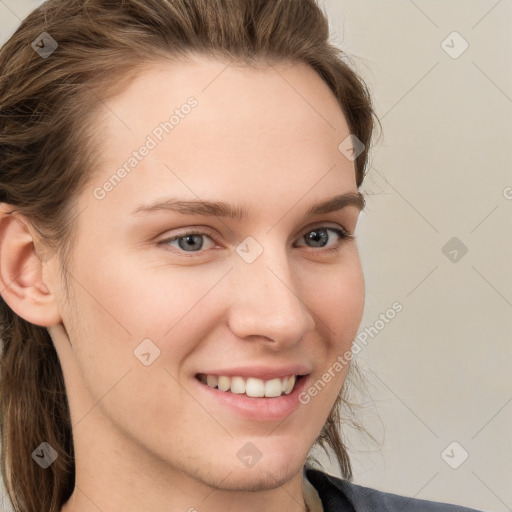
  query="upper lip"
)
[{"x": 260, "y": 372}]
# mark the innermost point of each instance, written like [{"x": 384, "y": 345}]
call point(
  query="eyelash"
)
[{"x": 342, "y": 233}]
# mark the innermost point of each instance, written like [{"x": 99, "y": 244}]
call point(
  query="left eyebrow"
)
[
  {"x": 221, "y": 209},
  {"x": 338, "y": 203}
]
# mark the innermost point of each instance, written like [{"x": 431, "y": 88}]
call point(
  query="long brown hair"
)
[{"x": 48, "y": 149}]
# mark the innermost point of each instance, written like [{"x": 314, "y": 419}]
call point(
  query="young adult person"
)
[{"x": 179, "y": 188}]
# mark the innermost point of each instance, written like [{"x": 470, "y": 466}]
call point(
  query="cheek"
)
[
  {"x": 135, "y": 300},
  {"x": 115, "y": 309},
  {"x": 338, "y": 306},
  {"x": 176, "y": 308},
  {"x": 339, "y": 301}
]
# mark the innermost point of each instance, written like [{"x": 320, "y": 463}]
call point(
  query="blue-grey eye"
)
[
  {"x": 190, "y": 242},
  {"x": 320, "y": 236}
]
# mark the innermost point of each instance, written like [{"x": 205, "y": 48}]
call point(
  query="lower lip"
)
[{"x": 256, "y": 409}]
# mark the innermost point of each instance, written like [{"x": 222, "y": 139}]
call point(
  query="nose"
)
[{"x": 266, "y": 302}]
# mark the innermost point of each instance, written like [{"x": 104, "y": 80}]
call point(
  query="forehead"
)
[
  {"x": 277, "y": 125},
  {"x": 262, "y": 100}
]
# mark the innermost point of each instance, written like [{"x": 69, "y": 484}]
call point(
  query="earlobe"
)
[{"x": 21, "y": 271}]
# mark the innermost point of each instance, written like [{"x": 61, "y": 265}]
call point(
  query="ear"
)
[{"x": 21, "y": 271}]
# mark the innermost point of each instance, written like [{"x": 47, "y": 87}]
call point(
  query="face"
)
[{"x": 170, "y": 298}]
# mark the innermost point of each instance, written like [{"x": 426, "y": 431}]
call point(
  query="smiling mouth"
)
[{"x": 251, "y": 386}]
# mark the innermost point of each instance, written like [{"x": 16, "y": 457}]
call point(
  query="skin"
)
[{"x": 265, "y": 139}]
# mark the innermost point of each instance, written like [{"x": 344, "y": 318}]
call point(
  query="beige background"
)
[{"x": 439, "y": 372}]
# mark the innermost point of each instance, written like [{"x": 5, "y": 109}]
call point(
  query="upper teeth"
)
[{"x": 251, "y": 386}]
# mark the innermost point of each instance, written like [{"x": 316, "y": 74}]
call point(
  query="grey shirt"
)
[{"x": 337, "y": 495}]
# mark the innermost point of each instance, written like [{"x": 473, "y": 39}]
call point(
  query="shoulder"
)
[{"x": 340, "y": 495}]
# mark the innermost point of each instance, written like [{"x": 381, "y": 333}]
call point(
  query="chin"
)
[
  {"x": 265, "y": 474},
  {"x": 259, "y": 478}
]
